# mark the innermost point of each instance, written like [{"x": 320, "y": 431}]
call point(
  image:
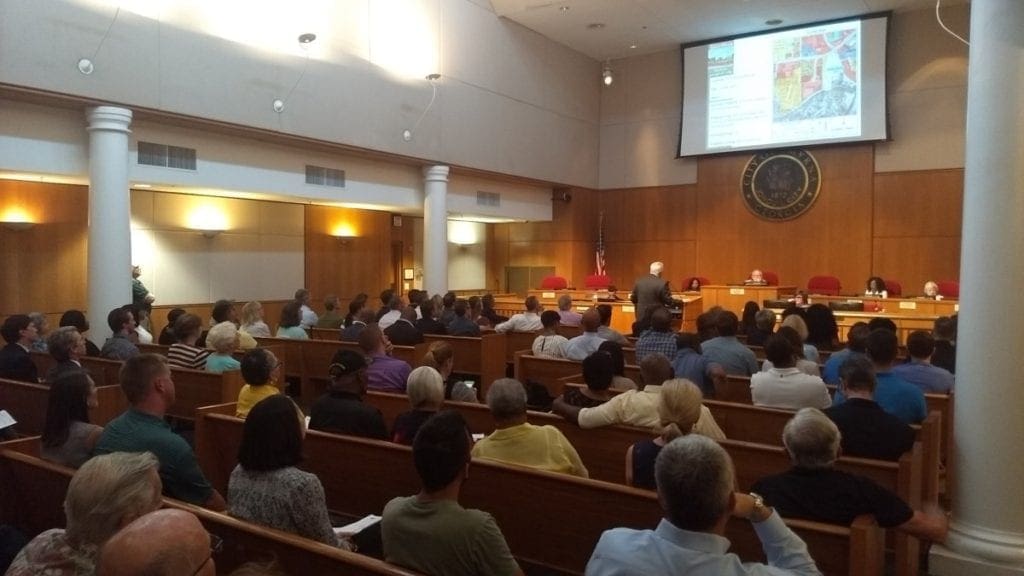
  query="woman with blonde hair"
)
[
  {"x": 796, "y": 322},
  {"x": 679, "y": 408},
  {"x": 441, "y": 357},
  {"x": 426, "y": 395},
  {"x": 252, "y": 320}
]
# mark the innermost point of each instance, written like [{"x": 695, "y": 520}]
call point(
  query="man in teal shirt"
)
[{"x": 146, "y": 381}]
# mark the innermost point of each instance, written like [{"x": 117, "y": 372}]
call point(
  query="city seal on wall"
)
[{"x": 781, "y": 184}]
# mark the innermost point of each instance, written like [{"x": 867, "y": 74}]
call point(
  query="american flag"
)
[{"x": 599, "y": 252}]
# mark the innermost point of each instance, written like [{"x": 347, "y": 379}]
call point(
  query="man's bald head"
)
[
  {"x": 166, "y": 542},
  {"x": 591, "y": 320}
]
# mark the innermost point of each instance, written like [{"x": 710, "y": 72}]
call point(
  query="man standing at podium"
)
[{"x": 651, "y": 290}]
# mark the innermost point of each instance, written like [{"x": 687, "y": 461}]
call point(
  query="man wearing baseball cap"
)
[{"x": 342, "y": 410}]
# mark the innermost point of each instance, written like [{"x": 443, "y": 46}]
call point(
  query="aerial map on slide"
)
[{"x": 816, "y": 76}]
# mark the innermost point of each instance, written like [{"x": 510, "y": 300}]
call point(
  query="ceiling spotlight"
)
[
  {"x": 595, "y": 26},
  {"x": 773, "y": 22},
  {"x": 306, "y": 38},
  {"x": 434, "y": 76},
  {"x": 278, "y": 105},
  {"x": 85, "y": 66},
  {"x": 606, "y": 75}
]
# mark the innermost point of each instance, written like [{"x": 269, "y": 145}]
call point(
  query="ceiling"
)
[{"x": 657, "y": 25}]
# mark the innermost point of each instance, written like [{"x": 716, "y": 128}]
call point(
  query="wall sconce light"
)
[
  {"x": 210, "y": 234},
  {"x": 17, "y": 226},
  {"x": 16, "y": 218},
  {"x": 344, "y": 240},
  {"x": 344, "y": 232}
]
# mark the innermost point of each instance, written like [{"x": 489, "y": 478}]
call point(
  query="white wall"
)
[{"x": 510, "y": 101}]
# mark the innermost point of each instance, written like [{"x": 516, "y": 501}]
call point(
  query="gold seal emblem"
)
[{"x": 781, "y": 184}]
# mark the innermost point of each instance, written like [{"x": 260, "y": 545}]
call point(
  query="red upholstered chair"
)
[
  {"x": 894, "y": 288},
  {"x": 949, "y": 289},
  {"x": 770, "y": 277},
  {"x": 597, "y": 281},
  {"x": 553, "y": 283},
  {"x": 827, "y": 285}
]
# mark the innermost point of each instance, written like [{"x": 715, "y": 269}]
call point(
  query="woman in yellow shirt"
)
[{"x": 261, "y": 372}]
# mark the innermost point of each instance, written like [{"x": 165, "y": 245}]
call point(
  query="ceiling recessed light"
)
[
  {"x": 632, "y": 46},
  {"x": 307, "y": 38},
  {"x": 773, "y": 22},
  {"x": 595, "y": 26},
  {"x": 563, "y": 9}
]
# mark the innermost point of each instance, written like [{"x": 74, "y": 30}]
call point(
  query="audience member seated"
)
[
  {"x": 659, "y": 338},
  {"x": 342, "y": 410},
  {"x": 822, "y": 329},
  {"x": 42, "y": 331},
  {"x": 462, "y": 324},
  {"x": 147, "y": 384},
  {"x": 224, "y": 311},
  {"x": 291, "y": 320},
  {"x": 919, "y": 370},
  {"x": 691, "y": 365},
  {"x": 393, "y": 314},
  {"x": 358, "y": 303},
  {"x": 364, "y": 317},
  {"x": 856, "y": 345},
  {"x": 566, "y": 315},
  {"x": 404, "y": 331},
  {"x": 597, "y": 375},
  {"x": 549, "y": 344},
  {"x": 605, "y": 331},
  {"x": 797, "y": 322},
  {"x": 67, "y": 347},
  {"x": 693, "y": 286},
  {"x": 447, "y": 308},
  {"x": 307, "y": 317},
  {"x": 141, "y": 315},
  {"x": 764, "y": 326},
  {"x": 493, "y": 318},
  {"x": 332, "y": 318},
  {"x": 385, "y": 373},
  {"x": 120, "y": 346},
  {"x": 430, "y": 532},
  {"x": 867, "y": 431},
  {"x": 167, "y": 337},
  {"x": 619, "y": 379},
  {"x": 707, "y": 324},
  {"x": 528, "y": 321},
  {"x": 163, "y": 543},
  {"x": 756, "y": 279},
  {"x": 944, "y": 332},
  {"x": 77, "y": 319},
  {"x": 516, "y": 441},
  {"x": 223, "y": 338},
  {"x": 638, "y": 407},
  {"x": 784, "y": 385},
  {"x": 105, "y": 494},
  {"x": 476, "y": 309},
  {"x": 441, "y": 357},
  {"x": 894, "y": 394},
  {"x": 428, "y": 322},
  {"x": 747, "y": 319},
  {"x": 679, "y": 408},
  {"x": 579, "y": 347},
  {"x": 727, "y": 351},
  {"x": 931, "y": 290},
  {"x": 184, "y": 353},
  {"x": 252, "y": 320},
  {"x": 426, "y": 395},
  {"x": 802, "y": 364},
  {"x": 15, "y": 361},
  {"x": 696, "y": 482},
  {"x": 266, "y": 487},
  {"x": 68, "y": 437},
  {"x": 876, "y": 287},
  {"x": 814, "y": 490},
  {"x": 261, "y": 372}
]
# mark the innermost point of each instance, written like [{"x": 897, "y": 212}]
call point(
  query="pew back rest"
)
[{"x": 28, "y": 404}]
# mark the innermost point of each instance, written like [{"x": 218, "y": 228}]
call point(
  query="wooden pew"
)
[
  {"x": 553, "y": 373},
  {"x": 518, "y": 498},
  {"x": 482, "y": 356},
  {"x": 27, "y": 403},
  {"x": 35, "y": 489},
  {"x": 518, "y": 342},
  {"x": 197, "y": 388},
  {"x": 325, "y": 333}
]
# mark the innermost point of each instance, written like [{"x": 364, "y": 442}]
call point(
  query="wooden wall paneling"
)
[
  {"x": 45, "y": 267},
  {"x": 914, "y": 261},
  {"x": 359, "y": 264}
]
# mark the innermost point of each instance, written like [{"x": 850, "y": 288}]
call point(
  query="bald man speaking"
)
[{"x": 651, "y": 290}]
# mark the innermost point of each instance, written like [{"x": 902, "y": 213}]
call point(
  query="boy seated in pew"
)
[
  {"x": 814, "y": 490},
  {"x": 430, "y": 532}
]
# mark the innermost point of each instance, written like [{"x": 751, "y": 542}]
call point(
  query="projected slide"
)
[{"x": 785, "y": 87}]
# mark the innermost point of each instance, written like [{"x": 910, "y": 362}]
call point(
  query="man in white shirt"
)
[
  {"x": 393, "y": 314},
  {"x": 784, "y": 385},
  {"x": 585, "y": 344},
  {"x": 309, "y": 317},
  {"x": 528, "y": 321}
]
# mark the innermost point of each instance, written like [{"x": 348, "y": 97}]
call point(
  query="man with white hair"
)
[
  {"x": 651, "y": 290},
  {"x": 814, "y": 490},
  {"x": 696, "y": 483}
]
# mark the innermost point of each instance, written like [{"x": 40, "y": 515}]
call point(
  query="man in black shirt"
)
[
  {"x": 341, "y": 410},
  {"x": 867, "y": 430},
  {"x": 945, "y": 351}
]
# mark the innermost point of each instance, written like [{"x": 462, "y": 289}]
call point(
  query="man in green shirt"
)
[
  {"x": 430, "y": 532},
  {"x": 146, "y": 381}
]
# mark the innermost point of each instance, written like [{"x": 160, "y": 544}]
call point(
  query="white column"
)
[
  {"x": 435, "y": 229},
  {"x": 110, "y": 253},
  {"x": 987, "y": 532}
]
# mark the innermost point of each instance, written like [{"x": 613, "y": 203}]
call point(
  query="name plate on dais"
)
[
  {"x": 737, "y": 291},
  {"x": 629, "y": 309},
  {"x": 908, "y": 305},
  {"x": 547, "y": 294}
]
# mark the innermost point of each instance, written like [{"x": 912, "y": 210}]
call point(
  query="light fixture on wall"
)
[
  {"x": 344, "y": 232},
  {"x": 85, "y": 65},
  {"x": 210, "y": 233},
  {"x": 15, "y": 218},
  {"x": 607, "y": 76},
  {"x": 17, "y": 226},
  {"x": 408, "y": 132},
  {"x": 304, "y": 41}
]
